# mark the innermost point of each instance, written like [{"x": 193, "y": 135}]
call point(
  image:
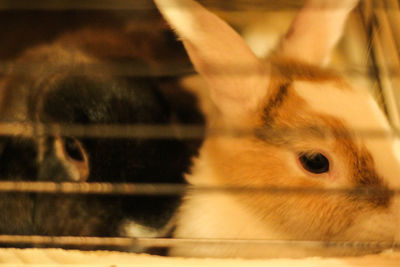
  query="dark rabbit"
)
[{"x": 90, "y": 72}]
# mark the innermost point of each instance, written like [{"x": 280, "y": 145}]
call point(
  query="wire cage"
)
[{"x": 99, "y": 126}]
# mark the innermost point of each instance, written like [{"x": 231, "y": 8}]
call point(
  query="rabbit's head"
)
[
  {"x": 287, "y": 123},
  {"x": 77, "y": 81}
]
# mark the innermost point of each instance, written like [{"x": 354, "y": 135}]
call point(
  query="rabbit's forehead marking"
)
[
  {"x": 275, "y": 102},
  {"x": 362, "y": 117}
]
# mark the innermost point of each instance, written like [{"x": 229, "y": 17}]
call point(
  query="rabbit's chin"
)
[{"x": 217, "y": 216}]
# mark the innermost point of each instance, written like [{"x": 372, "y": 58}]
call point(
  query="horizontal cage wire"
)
[
  {"x": 173, "y": 69},
  {"x": 169, "y": 69},
  {"x": 184, "y": 131},
  {"x": 237, "y": 5},
  {"x": 173, "y": 242},
  {"x": 146, "y": 4},
  {"x": 176, "y": 189}
]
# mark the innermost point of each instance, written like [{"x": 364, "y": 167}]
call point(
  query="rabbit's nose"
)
[{"x": 64, "y": 160}]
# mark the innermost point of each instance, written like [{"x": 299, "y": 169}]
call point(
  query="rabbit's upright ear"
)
[
  {"x": 316, "y": 30},
  {"x": 236, "y": 77}
]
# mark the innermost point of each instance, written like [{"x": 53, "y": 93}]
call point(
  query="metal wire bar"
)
[
  {"x": 170, "y": 68},
  {"x": 77, "y": 4},
  {"x": 147, "y": 4},
  {"x": 150, "y": 131},
  {"x": 173, "y": 242},
  {"x": 92, "y": 188},
  {"x": 172, "y": 189},
  {"x": 166, "y": 131},
  {"x": 131, "y": 69}
]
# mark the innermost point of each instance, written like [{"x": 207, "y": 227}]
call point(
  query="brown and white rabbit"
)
[{"x": 305, "y": 128}]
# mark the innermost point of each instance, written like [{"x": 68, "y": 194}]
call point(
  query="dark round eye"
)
[
  {"x": 73, "y": 149},
  {"x": 314, "y": 162}
]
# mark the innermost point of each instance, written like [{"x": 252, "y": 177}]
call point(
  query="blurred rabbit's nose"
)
[{"x": 64, "y": 159}]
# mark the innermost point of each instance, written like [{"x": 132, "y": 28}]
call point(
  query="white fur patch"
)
[
  {"x": 362, "y": 115},
  {"x": 217, "y": 215}
]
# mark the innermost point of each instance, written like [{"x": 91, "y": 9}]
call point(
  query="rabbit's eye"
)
[{"x": 314, "y": 163}]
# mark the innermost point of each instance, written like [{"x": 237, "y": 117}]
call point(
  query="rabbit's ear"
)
[
  {"x": 316, "y": 30},
  {"x": 235, "y": 76}
]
